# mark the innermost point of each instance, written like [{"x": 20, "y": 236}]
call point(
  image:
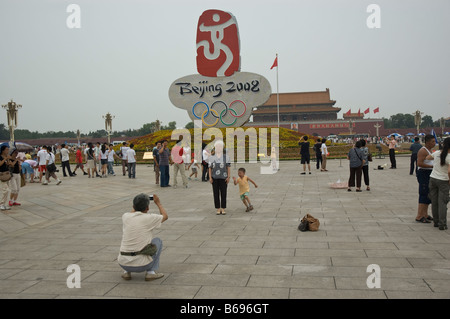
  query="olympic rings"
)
[
  {"x": 245, "y": 108},
  {"x": 203, "y": 117},
  {"x": 193, "y": 109},
  {"x": 235, "y": 118},
  {"x": 215, "y": 113},
  {"x": 226, "y": 107}
]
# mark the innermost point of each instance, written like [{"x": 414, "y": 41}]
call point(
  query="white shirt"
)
[
  {"x": 440, "y": 172},
  {"x": 205, "y": 155},
  {"x": 42, "y": 154},
  {"x": 324, "y": 149},
  {"x": 104, "y": 155},
  {"x": 131, "y": 156},
  {"x": 124, "y": 150},
  {"x": 111, "y": 156},
  {"x": 64, "y": 154},
  {"x": 50, "y": 158},
  {"x": 137, "y": 233}
]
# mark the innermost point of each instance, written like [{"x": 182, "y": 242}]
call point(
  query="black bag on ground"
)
[{"x": 304, "y": 225}]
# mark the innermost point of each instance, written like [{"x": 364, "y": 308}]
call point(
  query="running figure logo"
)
[{"x": 217, "y": 44}]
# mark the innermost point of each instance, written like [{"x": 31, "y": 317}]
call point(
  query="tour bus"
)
[{"x": 114, "y": 143}]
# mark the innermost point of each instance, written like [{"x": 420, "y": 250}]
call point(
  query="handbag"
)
[
  {"x": 362, "y": 161},
  {"x": 51, "y": 168},
  {"x": 5, "y": 176},
  {"x": 309, "y": 222},
  {"x": 22, "y": 180},
  {"x": 303, "y": 225},
  {"x": 369, "y": 157}
]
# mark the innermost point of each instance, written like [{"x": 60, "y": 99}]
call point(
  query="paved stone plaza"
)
[{"x": 259, "y": 254}]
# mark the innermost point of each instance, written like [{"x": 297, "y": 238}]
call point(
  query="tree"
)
[
  {"x": 189, "y": 125},
  {"x": 171, "y": 126},
  {"x": 427, "y": 121}
]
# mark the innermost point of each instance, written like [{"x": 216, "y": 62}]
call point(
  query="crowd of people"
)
[{"x": 430, "y": 166}]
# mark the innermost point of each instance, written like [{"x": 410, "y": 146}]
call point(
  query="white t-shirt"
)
[
  {"x": 42, "y": 154},
  {"x": 50, "y": 158},
  {"x": 131, "y": 156},
  {"x": 137, "y": 233},
  {"x": 205, "y": 155},
  {"x": 111, "y": 156},
  {"x": 440, "y": 172},
  {"x": 104, "y": 155},
  {"x": 64, "y": 154},
  {"x": 324, "y": 149},
  {"x": 124, "y": 150}
]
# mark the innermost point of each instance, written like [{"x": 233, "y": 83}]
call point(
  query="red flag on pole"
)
[
  {"x": 275, "y": 63},
  {"x": 349, "y": 112},
  {"x": 367, "y": 111},
  {"x": 376, "y": 110},
  {"x": 359, "y": 112}
]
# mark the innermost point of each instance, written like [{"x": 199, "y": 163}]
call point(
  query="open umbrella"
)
[
  {"x": 410, "y": 134},
  {"x": 23, "y": 147},
  {"x": 395, "y": 134},
  {"x": 421, "y": 134}
]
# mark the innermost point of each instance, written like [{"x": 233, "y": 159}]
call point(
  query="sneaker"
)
[
  {"x": 17, "y": 204},
  {"x": 3, "y": 207},
  {"x": 85, "y": 173},
  {"x": 44, "y": 183},
  {"x": 223, "y": 212},
  {"x": 303, "y": 173},
  {"x": 189, "y": 178},
  {"x": 150, "y": 277},
  {"x": 59, "y": 182},
  {"x": 126, "y": 276},
  {"x": 250, "y": 208},
  {"x": 11, "y": 203},
  {"x": 247, "y": 209}
]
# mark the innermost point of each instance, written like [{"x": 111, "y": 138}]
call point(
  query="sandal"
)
[
  {"x": 349, "y": 190},
  {"x": 368, "y": 188},
  {"x": 358, "y": 190},
  {"x": 429, "y": 217},
  {"x": 423, "y": 220}
]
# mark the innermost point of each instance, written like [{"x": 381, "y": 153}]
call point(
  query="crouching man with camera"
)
[{"x": 139, "y": 250}]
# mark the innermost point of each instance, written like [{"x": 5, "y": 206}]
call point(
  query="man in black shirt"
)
[
  {"x": 317, "y": 147},
  {"x": 304, "y": 152}
]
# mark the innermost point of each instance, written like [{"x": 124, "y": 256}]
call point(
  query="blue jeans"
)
[
  {"x": 132, "y": 170},
  {"x": 153, "y": 266},
  {"x": 164, "y": 169},
  {"x": 110, "y": 168}
]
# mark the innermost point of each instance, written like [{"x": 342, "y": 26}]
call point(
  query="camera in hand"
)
[{"x": 150, "y": 197}]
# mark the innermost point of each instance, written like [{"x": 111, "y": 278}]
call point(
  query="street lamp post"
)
[
  {"x": 418, "y": 120},
  {"x": 11, "y": 110},
  {"x": 78, "y": 137},
  {"x": 442, "y": 122},
  {"x": 108, "y": 125}
]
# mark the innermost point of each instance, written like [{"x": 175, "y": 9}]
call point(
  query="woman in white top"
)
[
  {"x": 324, "y": 151},
  {"x": 439, "y": 185},
  {"x": 51, "y": 167}
]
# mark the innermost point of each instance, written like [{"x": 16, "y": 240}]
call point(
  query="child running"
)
[{"x": 244, "y": 188}]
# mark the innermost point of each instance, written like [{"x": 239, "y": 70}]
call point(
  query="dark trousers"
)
[
  {"x": 132, "y": 170},
  {"x": 65, "y": 165},
  {"x": 413, "y": 162},
  {"x": 164, "y": 169},
  {"x": 365, "y": 170},
  {"x": 319, "y": 160},
  {"x": 355, "y": 172},
  {"x": 392, "y": 158},
  {"x": 220, "y": 193},
  {"x": 205, "y": 173}
]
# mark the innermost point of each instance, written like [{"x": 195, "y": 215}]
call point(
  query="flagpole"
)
[{"x": 278, "y": 98}]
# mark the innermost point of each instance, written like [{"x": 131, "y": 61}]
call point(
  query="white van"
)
[{"x": 114, "y": 143}]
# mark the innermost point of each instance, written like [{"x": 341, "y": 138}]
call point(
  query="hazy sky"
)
[{"x": 128, "y": 52}]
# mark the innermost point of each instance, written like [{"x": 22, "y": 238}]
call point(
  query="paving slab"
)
[{"x": 252, "y": 255}]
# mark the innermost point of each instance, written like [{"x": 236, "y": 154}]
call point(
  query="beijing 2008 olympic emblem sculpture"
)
[{"x": 220, "y": 95}]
